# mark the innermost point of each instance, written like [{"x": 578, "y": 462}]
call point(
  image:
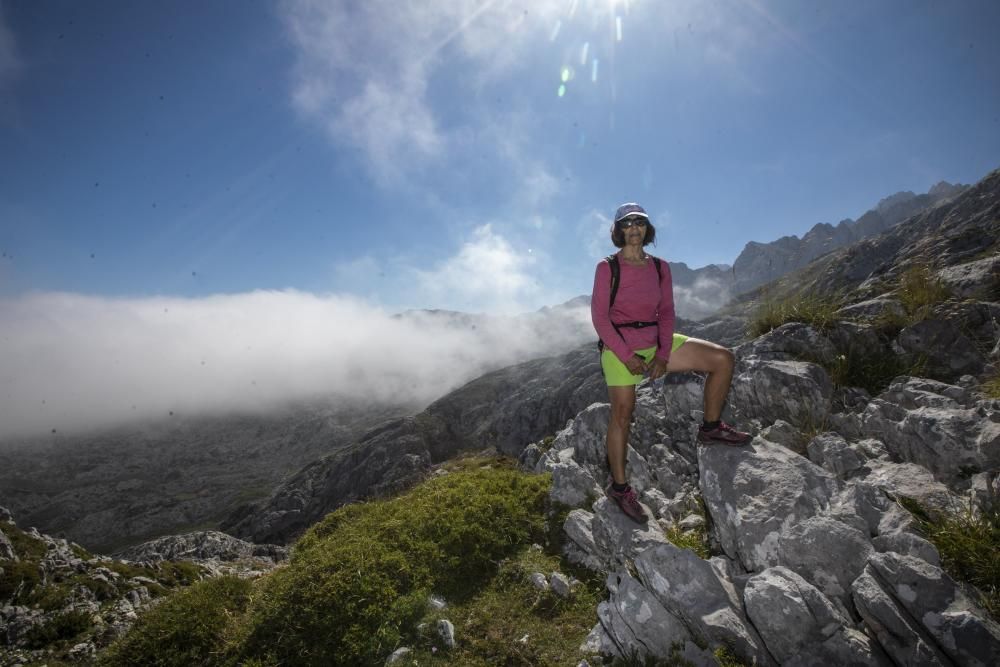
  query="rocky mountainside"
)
[
  {"x": 108, "y": 490},
  {"x": 761, "y": 263},
  {"x": 59, "y": 603}
]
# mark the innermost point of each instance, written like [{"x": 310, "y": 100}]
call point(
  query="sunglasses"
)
[{"x": 632, "y": 221}]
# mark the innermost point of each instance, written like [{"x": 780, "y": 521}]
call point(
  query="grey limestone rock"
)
[
  {"x": 976, "y": 279},
  {"x": 800, "y": 626},
  {"x": 792, "y": 341},
  {"x": 399, "y": 655},
  {"x": 203, "y": 545},
  {"x": 927, "y": 339},
  {"x": 794, "y": 391},
  {"x": 446, "y": 630},
  {"x": 573, "y": 485},
  {"x": 834, "y": 454},
  {"x": 937, "y": 426},
  {"x": 755, "y": 492},
  {"x": 560, "y": 584},
  {"x": 539, "y": 581},
  {"x": 694, "y": 591},
  {"x": 917, "y": 599},
  {"x": 909, "y": 480},
  {"x": 871, "y": 309},
  {"x": 636, "y": 621},
  {"x": 829, "y": 554},
  {"x": 783, "y": 433},
  {"x": 6, "y": 548},
  {"x": 618, "y": 538}
]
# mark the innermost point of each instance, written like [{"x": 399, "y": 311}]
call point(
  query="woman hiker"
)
[{"x": 635, "y": 320}]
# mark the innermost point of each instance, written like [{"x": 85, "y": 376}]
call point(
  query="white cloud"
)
[
  {"x": 72, "y": 362},
  {"x": 364, "y": 71},
  {"x": 486, "y": 274}
]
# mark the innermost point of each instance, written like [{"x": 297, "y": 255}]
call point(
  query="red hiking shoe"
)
[
  {"x": 723, "y": 434},
  {"x": 629, "y": 502}
]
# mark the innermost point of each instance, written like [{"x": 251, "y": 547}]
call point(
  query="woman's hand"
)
[
  {"x": 636, "y": 365},
  {"x": 657, "y": 368}
]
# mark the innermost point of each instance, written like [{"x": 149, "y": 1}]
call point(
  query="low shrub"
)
[
  {"x": 191, "y": 627},
  {"x": 920, "y": 290},
  {"x": 358, "y": 581},
  {"x": 61, "y": 627},
  {"x": 872, "y": 371},
  {"x": 817, "y": 311}
]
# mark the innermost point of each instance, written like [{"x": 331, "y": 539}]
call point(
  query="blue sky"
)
[
  {"x": 219, "y": 205},
  {"x": 418, "y": 154}
]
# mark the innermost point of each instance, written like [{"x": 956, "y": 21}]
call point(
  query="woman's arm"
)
[
  {"x": 600, "y": 306},
  {"x": 665, "y": 331}
]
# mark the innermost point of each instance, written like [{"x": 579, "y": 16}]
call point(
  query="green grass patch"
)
[
  {"x": 991, "y": 387},
  {"x": 510, "y": 622},
  {"x": 358, "y": 581},
  {"x": 872, "y": 371},
  {"x": 697, "y": 539},
  {"x": 188, "y": 628},
  {"x": 62, "y": 627},
  {"x": 969, "y": 544},
  {"x": 919, "y": 291},
  {"x": 817, "y": 311}
]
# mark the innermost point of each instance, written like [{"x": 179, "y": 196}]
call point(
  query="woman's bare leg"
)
[
  {"x": 622, "y": 406},
  {"x": 705, "y": 357}
]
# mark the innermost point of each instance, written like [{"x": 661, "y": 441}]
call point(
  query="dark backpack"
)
[{"x": 616, "y": 271}]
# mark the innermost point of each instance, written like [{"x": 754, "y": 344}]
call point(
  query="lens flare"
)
[
  {"x": 555, "y": 31},
  {"x": 562, "y": 89},
  {"x": 583, "y": 53},
  {"x": 618, "y": 28},
  {"x": 593, "y": 70},
  {"x": 566, "y": 74}
]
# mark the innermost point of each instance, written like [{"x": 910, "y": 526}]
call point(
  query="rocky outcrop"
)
[
  {"x": 817, "y": 564},
  {"x": 53, "y": 591},
  {"x": 218, "y": 552}
]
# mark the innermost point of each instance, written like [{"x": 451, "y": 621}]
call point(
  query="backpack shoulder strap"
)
[
  {"x": 612, "y": 261},
  {"x": 659, "y": 271}
]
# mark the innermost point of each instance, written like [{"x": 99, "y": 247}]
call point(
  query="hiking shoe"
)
[
  {"x": 724, "y": 434},
  {"x": 629, "y": 503}
]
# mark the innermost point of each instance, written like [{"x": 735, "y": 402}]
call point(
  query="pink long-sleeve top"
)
[{"x": 641, "y": 297}]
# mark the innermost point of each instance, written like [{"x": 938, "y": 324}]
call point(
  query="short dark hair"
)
[{"x": 618, "y": 236}]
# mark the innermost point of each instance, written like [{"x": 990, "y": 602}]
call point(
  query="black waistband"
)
[{"x": 635, "y": 325}]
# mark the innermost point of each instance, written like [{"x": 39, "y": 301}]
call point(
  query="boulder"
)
[
  {"x": 923, "y": 602},
  {"x": 832, "y": 453},
  {"x": 636, "y": 621},
  {"x": 795, "y": 391},
  {"x": 695, "y": 592},
  {"x": 7, "y": 551},
  {"x": 800, "y": 626},
  {"x": 927, "y": 339},
  {"x": 753, "y": 493},
  {"x": 792, "y": 341},
  {"x": 827, "y": 553}
]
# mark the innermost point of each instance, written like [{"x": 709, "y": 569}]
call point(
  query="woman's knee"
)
[{"x": 621, "y": 414}]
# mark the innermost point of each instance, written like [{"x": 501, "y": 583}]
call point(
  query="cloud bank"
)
[{"x": 71, "y": 362}]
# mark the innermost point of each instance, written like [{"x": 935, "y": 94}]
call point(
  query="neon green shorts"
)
[{"x": 615, "y": 372}]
